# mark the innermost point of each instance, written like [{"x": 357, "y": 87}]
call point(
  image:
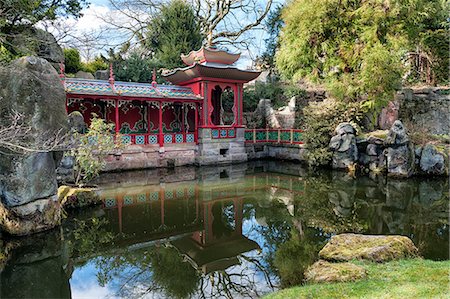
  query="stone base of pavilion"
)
[
  {"x": 214, "y": 151},
  {"x": 210, "y": 150},
  {"x": 207, "y": 152},
  {"x": 152, "y": 156}
]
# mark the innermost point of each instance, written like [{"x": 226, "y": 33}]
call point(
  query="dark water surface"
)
[{"x": 235, "y": 231}]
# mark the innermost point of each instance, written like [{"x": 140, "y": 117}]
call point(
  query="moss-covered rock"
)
[
  {"x": 323, "y": 271},
  {"x": 40, "y": 215},
  {"x": 434, "y": 159},
  {"x": 76, "y": 197},
  {"x": 375, "y": 135},
  {"x": 31, "y": 88},
  {"x": 346, "y": 247}
]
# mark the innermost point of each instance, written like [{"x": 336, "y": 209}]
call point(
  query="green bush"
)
[
  {"x": 321, "y": 119},
  {"x": 92, "y": 149},
  {"x": 5, "y": 55},
  {"x": 99, "y": 63},
  {"x": 72, "y": 60}
]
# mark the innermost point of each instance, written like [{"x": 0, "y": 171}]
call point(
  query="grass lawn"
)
[{"x": 415, "y": 278}]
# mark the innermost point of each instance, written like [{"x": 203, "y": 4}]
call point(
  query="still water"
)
[{"x": 234, "y": 231}]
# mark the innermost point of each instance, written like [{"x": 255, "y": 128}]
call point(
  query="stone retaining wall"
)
[
  {"x": 291, "y": 152},
  {"x": 141, "y": 157},
  {"x": 426, "y": 109}
]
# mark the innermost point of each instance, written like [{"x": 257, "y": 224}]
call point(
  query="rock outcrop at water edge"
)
[
  {"x": 399, "y": 151},
  {"x": 343, "y": 145},
  {"x": 31, "y": 87}
]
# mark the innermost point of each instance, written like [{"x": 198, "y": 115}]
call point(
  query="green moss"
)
[
  {"x": 346, "y": 247},
  {"x": 75, "y": 197},
  {"x": 323, "y": 271},
  {"x": 382, "y": 134},
  {"x": 415, "y": 278}
]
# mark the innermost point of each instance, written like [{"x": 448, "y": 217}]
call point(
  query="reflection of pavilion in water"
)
[{"x": 203, "y": 221}]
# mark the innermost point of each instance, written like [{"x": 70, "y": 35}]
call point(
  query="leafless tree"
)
[
  {"x": 225, "y": 21},
  {"x": 222, "y": 22},
  {"x": 15, "y": 137}
]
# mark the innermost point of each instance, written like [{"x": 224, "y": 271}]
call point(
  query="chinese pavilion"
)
[{"x": 198, "y": 119}]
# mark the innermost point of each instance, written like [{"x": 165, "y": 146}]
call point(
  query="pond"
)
[{"x": 233, "y": 231}]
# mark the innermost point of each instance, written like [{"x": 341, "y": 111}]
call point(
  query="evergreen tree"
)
[
  {"x": 273, "y": 25},
  {"x": 174, "y": 30},
  {"x": 72, "y": 61},
  {"x": 136, "y": 67}
]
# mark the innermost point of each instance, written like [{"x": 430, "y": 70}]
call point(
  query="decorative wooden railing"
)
[
  {"x": 223, "y": 132},
  {"x": 288, "y": 136},
  {"x": 154, "y": 138}
]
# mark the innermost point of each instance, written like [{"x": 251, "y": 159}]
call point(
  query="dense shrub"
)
[
  {"x": 321, "y": 118},
  {"x": 99, "y": 63},
  {"x": 72, "y": 60},
  {"x": 5, "y": 55}
]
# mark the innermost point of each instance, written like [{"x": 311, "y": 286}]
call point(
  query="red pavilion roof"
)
[
  {"x": 208, "y": 63},
  {"x": 210, "y": 55}
]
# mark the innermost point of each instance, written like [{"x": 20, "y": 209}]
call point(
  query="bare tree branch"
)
[{"x": 15, "y": 138}]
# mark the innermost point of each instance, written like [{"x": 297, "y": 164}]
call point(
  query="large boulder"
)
[
  {"x": 84, "y": 75},
  {"x": 399, "y": 151},
  {"x": 347, "y": 247},
  {"x": 343, "y": 145},
  {"x": 31, "y": 87},
  {"x": 323, "y": 271},
  {"x": 101, "y": 75},
  {"x": 433, "y": 160},
  {"x": 37, "y": 42}
]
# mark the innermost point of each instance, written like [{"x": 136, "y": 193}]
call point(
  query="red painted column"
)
[
  {"x": 116, "y": 118},
  {"x": 205, "y": 104},
  {"x": 237, "y": 107},
  {"x": 161, "y": 140},
  {"x": 182, "y": 123},
  {"x": 148, "y": 107},
  {"x": 241, "y": 104},
  {"x": 196, "y": 124}
]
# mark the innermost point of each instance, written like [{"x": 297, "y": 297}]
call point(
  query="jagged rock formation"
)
[
  {"x": 399, "y": 153},
  {"x": 31, "y": 86},
  {"x": 433, "y": 160},
  {"x": 343, "y": 145},
  {"x": 37, "y": 42}
]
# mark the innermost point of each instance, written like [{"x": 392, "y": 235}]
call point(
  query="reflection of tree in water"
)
[
  {"x": 294, "y": 256},
  {"x": 156, "y": 270},
  {"x": 275, "y": 230},
  {"x": 163, "y": 271},
  {"x": 172, "y": 273},
  {"x": 291, "y": 246}
]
